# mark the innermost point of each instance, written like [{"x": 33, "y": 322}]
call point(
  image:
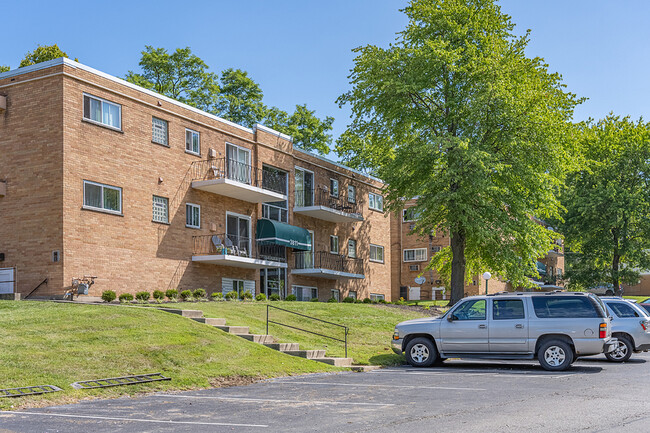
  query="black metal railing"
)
[
  {"x": 326, "y": 260},
  {"x": 233, "y": 245},
  {"x": 224, "y": 168},
  {"x": 323, "y": 197},
  {"x": 345, "y": 328}
]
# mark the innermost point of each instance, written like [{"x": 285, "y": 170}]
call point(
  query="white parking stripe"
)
[
  {"x": 380, "y": 386},
  {"x": 269, "y": 400},
  {"x": 112, "y": 418}
]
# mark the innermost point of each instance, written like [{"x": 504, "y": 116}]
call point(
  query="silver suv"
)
[
  {"x": 553, "y": 327},
  {"x": 630, "y": 326}
]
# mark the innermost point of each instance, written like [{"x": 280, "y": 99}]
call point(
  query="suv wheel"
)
[
  {"x": 622, "y": 351},
  {"x": 421, "y": 352},
  {"x": 555, "y": 355}
]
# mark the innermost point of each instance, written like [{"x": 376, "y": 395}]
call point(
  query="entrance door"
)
[
  {"x": 238, "y": 230},
  {"x": 273, "y": 282},
  {"x": 238, "y": 163},
  {"x": 468, "y": 331},
  {"x": 414, "y": 293},
  {"x": 6, "y": 280},
  {"x": 508, "y": 326},
  {"x": 304, "y": 188}
]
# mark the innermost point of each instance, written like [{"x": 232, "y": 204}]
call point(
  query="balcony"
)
[
  {"x": 237, "y": 251},
  {"x": 327, "y": 265},
  {"x": 324, "y": 206},
  {"x": 241, "y": 181}
]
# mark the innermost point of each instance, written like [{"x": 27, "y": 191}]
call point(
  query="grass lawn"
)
[{"x": 45, "y": 343}]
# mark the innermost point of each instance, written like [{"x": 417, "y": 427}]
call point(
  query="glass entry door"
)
[
  {"x": 238, "y": 163},
  {"x": 304, "y": 188},
  {"x": 273, "y": 281},
  {"x": 238, "y": 232}
]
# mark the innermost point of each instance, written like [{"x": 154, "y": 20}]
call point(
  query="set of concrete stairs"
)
[{"x": 269, "y": 341}]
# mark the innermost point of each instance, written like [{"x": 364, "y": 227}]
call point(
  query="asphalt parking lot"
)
[{"x": 461, "y": 396}]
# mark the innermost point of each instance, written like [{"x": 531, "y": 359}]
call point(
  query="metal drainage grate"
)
[
  {"x": 28, "y": 390},
  {"x": 117, "y": 381}
]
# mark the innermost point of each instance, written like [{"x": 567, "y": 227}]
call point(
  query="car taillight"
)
[
  {"x": 603, "y": 330},
  {"x": 645, "y": 324}
]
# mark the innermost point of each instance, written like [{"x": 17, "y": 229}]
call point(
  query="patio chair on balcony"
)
[
  {"x": 216, "y": 172},
  {"x": 218, "y": 245},
  {"x": 232, "y": 248}
]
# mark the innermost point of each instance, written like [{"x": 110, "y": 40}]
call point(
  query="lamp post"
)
[{"x": 486, "y": 277}]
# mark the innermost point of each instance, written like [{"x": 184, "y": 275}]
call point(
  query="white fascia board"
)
[
  {"x": 272, "y": 131},
  {"x": 338, "y": 164}
]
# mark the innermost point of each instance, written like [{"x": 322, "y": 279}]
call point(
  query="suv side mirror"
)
[{"x": 451, "y": 318}]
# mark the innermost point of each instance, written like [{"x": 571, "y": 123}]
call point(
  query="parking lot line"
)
[
  {"x": 381, "y": 386},
  {"x": 269, "y": 400},
  {"x": 112, "y": 418}
]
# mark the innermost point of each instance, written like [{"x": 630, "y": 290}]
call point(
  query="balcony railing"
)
[
  {"x": 325, "y": 260},
  {"x": 223, "y": 168},
  {"x": 239, "y": 246},
  {"x": 322, "y": 197}
]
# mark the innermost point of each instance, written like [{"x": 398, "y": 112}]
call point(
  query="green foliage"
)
[
  {"x": 367, "y": 301},
  {"x": 172, "y": 294},
  {"x": 606, "y": 226},
  {"x": 313, "y": 300},
  {"x": 274, "y": 297},
  {"x": 125, "y": 297},
  {"x": 186, "y": 295},
  {"x": 158, "y": 295},
  {"x": 454, "y": 113},
  {"x": 308, "y": 131},
  {"x": 108, "y": 296},
  {"x": 199, "y": 294},
  {"x": 260, "y": 297},
  {"x": 383, "y": 301},
  {"x": 240, "y": 98},
  {"x": 142, "y": 296},
  {"x": 42, "y": 53},
  {"x": 291, "y": 298},
  {"x": 246, "y": 296},
  {"x": 4, "y": 68},
  {"x": 232, "y": 296},
  {"x": 348, "y": 300},
  {"x": 332, "y": 300},
  {"x": 217, "y": 296}
]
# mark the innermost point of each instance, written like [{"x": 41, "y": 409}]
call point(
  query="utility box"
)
[{"x": 3, "y": 104}]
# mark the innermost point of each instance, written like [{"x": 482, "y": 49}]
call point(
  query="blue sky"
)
[{"x": 300, "y": 51}]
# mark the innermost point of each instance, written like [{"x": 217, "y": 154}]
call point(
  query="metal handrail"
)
[
  {"x": 224, "y": 168},
  {"x": 327, "y": 260},
  {"x": 345, "y": 341},
  {"x": 233, "y": 245},
  {"x": 322, "y": 197}
]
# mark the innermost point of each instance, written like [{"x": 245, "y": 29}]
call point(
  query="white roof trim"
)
[
  {"x": 322, "y": 158},
  {"x": 272, "y": 131}
]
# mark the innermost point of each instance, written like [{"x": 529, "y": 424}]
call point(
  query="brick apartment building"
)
[{"x": 102, "y": 178}]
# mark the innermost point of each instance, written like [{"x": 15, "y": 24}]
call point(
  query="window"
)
[
  {"x": 304, "y": 188},
  {"x": 336, "y": 295},
  {"x": 352, "y": 194},
  {"x": 104, "y": 112},
  {"x": 414, "y": 267},
  {"x": 504, "y": 309},
  {"x": 622, "y": 310},
  {"x": 563, "y": 307},
  {"x": 192, "y": 142},
  {"x": 436, "y": 249},
  {"x": 376, "y": 253},
  {"x": 410, "y": 214},
  {"x": 274, "y": 179},
  {"x": 276, "y": 211},
  {"x": 352, "y": 294},
  {"x": 334, "y": 188},
  {"x": 238, "y": 231},
  {"x": 415, "y": 255},
  {"x": 376, "y": 297},
  {"x": 238, "y": 165},
  {"x": 56, "y": 255},
  {"x": 334, "y": 244},
  {"x": 411, "y": 227},
  {"x": 102, "y": 197},
  {"x": 352, "y": 248},
  {"x": 470, "y": 310},
  {"x": 193, "y": 216},
  {"x": 376, "y": 202},
  {"x": 159, "y": 131},
  {"x": 304, "y": 293},
  {"x": 160, "y": 209}
]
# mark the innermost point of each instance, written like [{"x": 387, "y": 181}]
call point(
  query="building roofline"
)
[{"x": 338, "y": 164}]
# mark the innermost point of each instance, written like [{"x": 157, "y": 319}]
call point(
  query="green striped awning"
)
[{"x": 275, "y": 232}]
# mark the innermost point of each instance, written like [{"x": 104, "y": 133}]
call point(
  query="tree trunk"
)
[
  {"x": 615, "y": 265},
  {"x": 457, "y": 266}
]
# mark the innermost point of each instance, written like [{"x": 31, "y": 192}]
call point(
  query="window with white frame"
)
[
  {"x": 192, "y": 142},
  {"x": 192, "y": 216},
  {"x": 352, "y": 248},
  {"x": 376, "y": 253},
  {"x": 276, "y": 211},
  {"x": 102, "y": 111},
  {"x": 375, "y": 202},
  {"x": 352, "y": 294},
  {"x": 415, "y": 255},
  {"x": 410, "y": 214},
  {"x": 102, "y": 197},
  {"x": 352, "y": 194},
  {"x": 305, "y": 293},
  {"x": 334, "y": 244},
  {"x": 159, "y": 131},
  {"x": 377, "y": 297},
  {"x": 334, "y": 188},
  {"x": 436, "y": 249},
  {"x": 414, "y": 267},
  {"x": 336, "y": 295},
  {"x": 160, "y": 209}
]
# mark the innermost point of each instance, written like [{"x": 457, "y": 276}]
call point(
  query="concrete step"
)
[
  {"x": 255, "y": 338},
  {"x": 210, "y": 321},
  {"x": 336, "y": 362},
  {"x": 283, "y": 347},
  {"x": 191, "y": 314},
  {"x": 234, "y": 329},
  {"x": 309, "y": 354}
]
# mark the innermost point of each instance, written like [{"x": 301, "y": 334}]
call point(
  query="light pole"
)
[{"x": 486, "y": 277}]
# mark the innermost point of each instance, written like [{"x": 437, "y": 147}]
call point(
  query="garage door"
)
[{"x": 6, "y": 280}]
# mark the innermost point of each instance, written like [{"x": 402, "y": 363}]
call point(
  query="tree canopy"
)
[
  {"x": 607, "y": 224},
  {"x": 42, "y": 53},
  {"x": 455, "y": 114}
]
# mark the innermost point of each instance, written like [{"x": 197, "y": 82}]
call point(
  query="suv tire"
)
[
  {"x": 421, "y": 352},
  {"x": 622, "y": 351},
  {"x": 555, "y": 355}
]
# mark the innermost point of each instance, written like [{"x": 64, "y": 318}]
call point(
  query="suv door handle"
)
[
  {"x": 519, "y": 326},
  {"x": 482, "y": 326}
]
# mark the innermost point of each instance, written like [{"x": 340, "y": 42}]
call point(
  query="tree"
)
[
  {"x": 42, "y": 53},
  {"x": 607, "y": 224},
  {"x": 308, "y": 131},
  {"x": 454, "y": 113},
  {"x": 240, "y": 98},
  {"x": 4, "y": 68}
]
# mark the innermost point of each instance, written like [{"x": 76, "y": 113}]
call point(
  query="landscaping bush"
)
[
  {"x": 332, "y": 299},
  {"x": 158, "y": 295},
  {"x": 172, "y": 295},
  {"x": 383, "y": 301},
  {"x": 199, "y": 294},
  {"x": 231, "y": 296},
  {"x": 367, "y": 301},
  {"x": 142, "y": 296},
  {"x": 125, "y": 297},
  {"x": 291, "y": 298},
  {"x": 217, "y": 296},
  {"x": 358, "y": 301},
  {"x": 186, "y": 295},
  {"x": 313, "y": 300},
  {"x": 108, "y": 296},
  {"x": 274, "y": 297},
  {"x": 246, "y": 296},
  {"x": 348, "y": 300},
  {"x": 260, "y": 297}
]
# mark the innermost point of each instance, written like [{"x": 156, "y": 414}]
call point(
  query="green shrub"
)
[
  {"x": 158, "y": 295},
  {"x": 186, "y": 295},
  {"x": 143, "y": 296},
  {"x": 199, "y": 294},
  {"x": 108, "y": 296},
  {"x": 274, "y": 297},
  {"x": 172, "y": 295},
  {"x": 383, "y": 301},
  {"x": 260, "y": 297},
  {"x": 246, "y": 296},
  {"x": 217, "y": 296},
  {"x": 348, "y": 300},
  {"x": 125, "y": 297},
  {"x": 231, "y": 296},
  {"x": 358, "y": 301},
  {"x": 313, "y": 300},
  {"x": 367, "y": 301},
  {"x": 291, "y": 298},
  {"x": 332, "y": 299},
  {"x": 375, "y": 302}
]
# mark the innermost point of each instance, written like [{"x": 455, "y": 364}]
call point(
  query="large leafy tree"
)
[
  {"x": 42, "y": 53},
  {"x": 240, "y": 98},
  {"x": 308, "y": 131},
  {"x": 607, "y": 224},
  {"x": 455, "y": 114},
  {"x": 4, "y": 68}
]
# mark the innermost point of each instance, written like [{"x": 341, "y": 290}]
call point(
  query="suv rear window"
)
[
  {"x": 547, "y": 307},
  {"x": 622, "y": 310}
]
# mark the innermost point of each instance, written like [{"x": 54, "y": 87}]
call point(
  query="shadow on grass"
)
[{"x": 389, "y": 360}]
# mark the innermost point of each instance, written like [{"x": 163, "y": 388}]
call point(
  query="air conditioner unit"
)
[{"x": 82, "y": 289}]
